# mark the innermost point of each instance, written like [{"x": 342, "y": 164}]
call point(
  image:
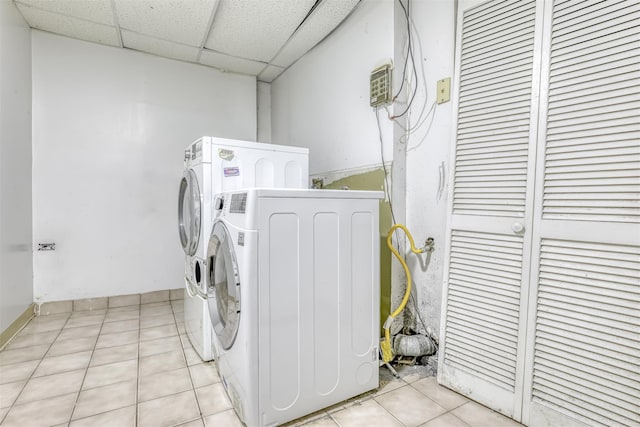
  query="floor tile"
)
[
  {"x": 98, "y": 376},
  {"x": 9, "y": 392},
  {"x": 68, "y": 362},
  {"x": 176, "y": 294},
  {"x": 90, "y": 304},
  {"x": 56, "y": 307},
  {"x": 326, "y": 421},
  {"x": 444, "y": 397},
  {"x": 104, "y": 399},
  {"x": 156, "y": 311},
  {"x": 120, "y": 326},
  {"x": 181, "y": 327},
  {"x": 120, "y": 353},
  {"x": 162, "y": 319},
  {"x": 77, "y": 322},
  {"x": 87, "y": 313},
  {"x": 154, "y": 305},
  {"x": 50, "y": 412},
  {"x": 123, "y": 417},
  {"x": 390, "y": 386},
  {"x": 186, "y": 342},
  {"x": 204, "y": 374},
  {"x": 213, "y": 399},
  {"x": 161, "y": 345},
  {"x": 51, "y": 385},
  {"x": 164, "y": 384},
  {"x": 227, "y": 418},
  {"x": 91, "y": 331},
  {"x": 156, "y": 296},
  {"x": 195, "y": 423},
  {"x": 75, "y": 345},
  {"x": 32, "y": 339},
  {"x": 445, "y": 420},
  {"x": 3, "y": 412},
  {"x": 477, "y": 415},
  {"x": 169, "y": 410},
  {"x": 192, "y": 357},
  {"x": 124, "y": 300},
  {"x": 158, "y": 332},
  {"x": 9, "y": 357},
  {"x": 17, "y": 371},
  {"x": 123, "y": 308},
  {"x": 117, "y": 316},
  {"x": 40, "y": 327},
  {"x": 161, "y": 362},
  {"x": 410, "y": 406},
  {"x": 365, "y": 414},
  {"x": 120, "y": 338}
]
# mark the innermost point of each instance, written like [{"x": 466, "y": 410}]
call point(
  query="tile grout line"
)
[
  {"x": 184, "y": 354},
  {"x": 35, "y": 369},
  {"x": 75, "y": 404},
  {"x": 136, "y": 421}
]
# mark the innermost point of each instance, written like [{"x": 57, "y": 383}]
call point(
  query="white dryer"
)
[
  {"x": 294, "y": 297},
  {"x": 214, "y": 165}
]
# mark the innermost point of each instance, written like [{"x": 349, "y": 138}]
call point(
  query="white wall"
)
[
  {"x": 322, "y": 101},
  {"x": 109, "y": 131},
  {"x": 426, "y": 207},
  {"x": 16, "y": 267},
  {"x": 264, "y": 112}
]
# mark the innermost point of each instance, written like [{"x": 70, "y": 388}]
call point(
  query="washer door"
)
[
  {"x": 223, "y": 291},
  {"x": 189, "y": 212}
]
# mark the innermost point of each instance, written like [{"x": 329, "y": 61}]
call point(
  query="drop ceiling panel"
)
[
  {"x": 230, "y": 63},
  {"x": 68, "y": 26},
  {"x": 255, "y": 29},
  {"x": 92, "y": 10},
  {"x": 270, "y": 73},
  {"x": 159, "y": 47},
  {"x": 183, "y": 22},
  {"x": 327, "y": 16}
]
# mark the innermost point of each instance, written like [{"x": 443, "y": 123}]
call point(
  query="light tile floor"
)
[{"x": 134, "y": 366}]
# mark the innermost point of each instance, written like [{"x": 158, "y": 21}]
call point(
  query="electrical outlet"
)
[
  {"x": 380, "y": 86},
  {"x": 444, "y": 90}
]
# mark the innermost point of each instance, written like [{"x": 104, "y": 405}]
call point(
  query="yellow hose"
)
[{"x": 387, "y": 353}]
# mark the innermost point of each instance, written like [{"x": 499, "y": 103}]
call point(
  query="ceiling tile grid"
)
[
  {"x": 179, "y": 21},
  {"x": 159, "y": 47},
  {"x": 256, "y": 37},
  {"x": 69, "y": 26}
]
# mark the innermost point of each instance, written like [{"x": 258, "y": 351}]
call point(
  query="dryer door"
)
[
  {"x": 189, "y": 212},
  {"x": 223, "y": 291}
]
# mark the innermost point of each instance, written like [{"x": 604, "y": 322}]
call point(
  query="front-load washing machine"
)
[
  {"x": 294, "y": 296},
  {"x": 214, "y": 165}
]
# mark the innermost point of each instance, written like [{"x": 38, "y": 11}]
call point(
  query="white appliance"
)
[
  {"x": 214, "y": 165},
  {"x": 294, "y": 296}
]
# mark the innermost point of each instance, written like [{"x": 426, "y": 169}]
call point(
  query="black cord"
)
[
  {"x": 409, "y": 55},
  {"x": 406, "y": 59}
]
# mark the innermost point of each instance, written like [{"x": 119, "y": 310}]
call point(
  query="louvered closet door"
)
[
  {"x": 489, "y": 232},
  {"x": 583, "y": 361}
]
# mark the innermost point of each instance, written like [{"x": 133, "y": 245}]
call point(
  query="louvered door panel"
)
[
  {"x": 494, "y": 109},
  {"x": 587, "y": 351},
  {"x": 484, "y": 291},
  {"x": 583, "y": 363},
  {"x": 484, "y": 325},
  {"x": 592, "y": 162}
]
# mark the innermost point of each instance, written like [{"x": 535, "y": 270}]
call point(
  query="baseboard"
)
[{"x": 16, "y": 326}]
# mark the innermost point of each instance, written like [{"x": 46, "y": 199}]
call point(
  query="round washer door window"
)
[
  {"x": 223, "y": 291},
  {"x": 189, "y": 212}
]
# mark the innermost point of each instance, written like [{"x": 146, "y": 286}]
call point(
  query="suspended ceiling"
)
[{"x": 255, "y": 37}]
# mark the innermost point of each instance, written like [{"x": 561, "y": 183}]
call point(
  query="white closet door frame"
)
[
  {"x": 508, "y": 402},
  {"x": 583, "y": 233}
]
